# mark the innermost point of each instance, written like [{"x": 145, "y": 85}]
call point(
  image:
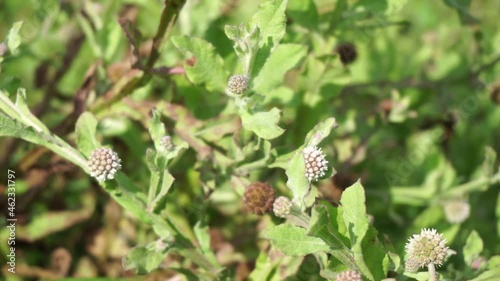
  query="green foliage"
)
[{"x": 409, "y": 128}]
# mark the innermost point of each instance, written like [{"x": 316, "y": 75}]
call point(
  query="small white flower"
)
[
  {"x": 456, "y": 211},
  {"x": 104, "y": 163},
  {"x": 427, "y": 247},
  {"x": 282, "y": 206},
  {"x": 348, "y": 275},
  {"x": 316, "y": 164}
]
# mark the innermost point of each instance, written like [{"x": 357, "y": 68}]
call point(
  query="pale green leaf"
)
[
  {"x": 320, "y": 132},
  {"x": 297, "y": 181},
  {"x": 263, "y": 124},
  {"x": 284, "y": 58},
  {"x": 209, "y": 66},
  {"x": 367, "y": 250},
  {"x": 293, "y": 241},
  {"x": 265, "y": 269},
  {"x": 271, "y": 20},
  {"x": 473, "y": 247},
  {"x": 86, "y": 133},
  {"x": 14, "y": 38},
  {"x": 144, "y": 259},
  {"x": 202, "y": 234},
  {"x": 157, "y": 130}
]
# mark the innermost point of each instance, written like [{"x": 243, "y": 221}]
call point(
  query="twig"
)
[{"x": 141, "y": 77}]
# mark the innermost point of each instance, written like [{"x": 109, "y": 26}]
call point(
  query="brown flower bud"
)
[{"x": 259, "y": 198}]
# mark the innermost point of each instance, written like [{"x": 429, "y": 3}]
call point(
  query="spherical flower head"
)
[
  {"x": 348, "y": 275},
  {"x": 166, "y": 142},
  {"x": 411, "y": 265},
  {"x": 347, "y": 52},
  {"x": 316, "y": 164},
  {"x": 456, "y": 211},
  {"x": 104, "y": 163},
  {"x": 282, "y": 206},
  {"x": 259, "y": 198},
  {"x": 427, "y": 247},
  {"x": 238, "y": 84}
]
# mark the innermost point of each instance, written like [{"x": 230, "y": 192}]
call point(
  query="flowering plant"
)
[{"x": 236, "y": 140}]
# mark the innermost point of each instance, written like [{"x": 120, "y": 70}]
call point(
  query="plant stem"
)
[
  {"x": 140, "y": 77},
  {"x": 432, "y": 272}
]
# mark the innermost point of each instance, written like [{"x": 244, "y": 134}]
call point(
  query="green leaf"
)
[
  {"x": 473, "y": 247},
  {"x": 271, "y": 76},
  {"x": 304, "y": 12},
  {"x": 166, "y": 183},
  {"x": 202, "y": 234},
  {"x": 367, "y": 250},
  {"x": 86, "y": 133},
  {"x": 327, "y": 223},
  {"x": 14, "y": 38},
  {"x": 271, "y": 20},
  {"x": 263, "y": 124},
  {"x": 297, "y": 181},
  {"x": 205, "y": 12},
  {"x": 144, "y": 259},
  {"x": 265, "y": 269},
  {"x": 157, "y": 130},
  {"x": 246, "y": 38},
  {"x": 293, "y": 241},
  {"x": 320, "y": 132},
  {"x": 209, "y": 66}
]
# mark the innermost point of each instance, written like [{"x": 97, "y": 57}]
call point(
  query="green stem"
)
[
  {"x": 167, "y": 21},
  {"x": 472, "y": 186}
]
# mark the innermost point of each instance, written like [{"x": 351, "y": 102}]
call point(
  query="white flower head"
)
[
  {"x": 456, "y": 211},
  {"x": 427, "y": 247},
  {"x": 104, "y": 163},
  {"x": 316, "y": 164}
]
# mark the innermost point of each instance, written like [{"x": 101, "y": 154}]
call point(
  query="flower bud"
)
[
  {"x": 347, "y": 52},
  {"x": 259, "y": 198},
  {"x": 104, "y": 163},
  {"x": 456, "y": 211},
  {"x": 237, "y": 84},
  {"x": 282, "y": 206}
]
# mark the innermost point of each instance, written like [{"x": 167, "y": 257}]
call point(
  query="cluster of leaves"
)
[{"x": 183, "y": 202}]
